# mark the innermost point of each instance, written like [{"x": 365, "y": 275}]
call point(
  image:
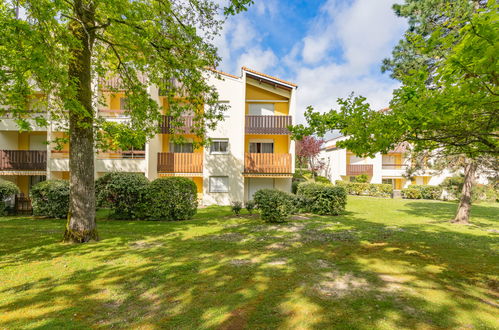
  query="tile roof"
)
[
  {"x": 270, "y": 77},
  {"x": 224, "y": 73}
]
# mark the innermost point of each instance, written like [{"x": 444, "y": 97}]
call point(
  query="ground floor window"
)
[
  {"x": 387, "y": 181},
  {"x": 219, "y": 184}
]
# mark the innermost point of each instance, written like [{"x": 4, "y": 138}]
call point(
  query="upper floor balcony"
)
[
  {"x": 23, "y": 160},
  {"x": 358, "y": 169},
  {"x": 256, "y": 124},
  {"x": 176, "y": 162},
  {"x": 267, "y": 163},
  {"x": 167, "y": 125}
]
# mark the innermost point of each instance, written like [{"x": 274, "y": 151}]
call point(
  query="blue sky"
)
[{"x": 330, "y": 48}]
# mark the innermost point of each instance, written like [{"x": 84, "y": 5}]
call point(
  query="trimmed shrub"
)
[
  {"x": 322, "y": 179},
  {"x": 454, "y": 185},
  {"x": 237, "y": 206},
  {"x": 171, "y": 199},
  {"x": 274, "y": 205},
  {"x": 123, "y": 193},
  {"x": 7, "y": 189},
  {"x": 323, "y": 199},
  {"x": 50, "y": 198},
  {"x": 366, "y": 189},
  {"x": 422, "y": 192},
  {"x": 361, "y": 178},
  {"x": 295, "y": 182},
  {"x": 250, "y": 206}
]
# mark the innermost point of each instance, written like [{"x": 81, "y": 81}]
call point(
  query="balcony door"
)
[
  {"x": 261, "y": 147},
  {"x": 261, "y": 109}
]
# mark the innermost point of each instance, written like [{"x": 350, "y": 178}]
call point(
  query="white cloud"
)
[{"x": 258, "y": 59}]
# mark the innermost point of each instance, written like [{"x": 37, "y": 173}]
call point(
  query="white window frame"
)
[
  {"x": 215, "y": 152},
  {"x": 213, "y": 189}
]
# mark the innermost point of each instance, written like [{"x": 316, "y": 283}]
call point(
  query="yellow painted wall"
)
[
  {"x": 23, "y": 184},
  {"x": 426, "y": 179},
  {"x": 398, "y": 184},
  {"x": 255, "y": 93},
  {"x": 114, "y": 101},
  {"x": 281, "y": 142},
  {"x": 65, "y": 146},
  {"x": 23, "y": 139},
  {"x": 188, "y": 137},
  {"x": 199, "y": 184}
]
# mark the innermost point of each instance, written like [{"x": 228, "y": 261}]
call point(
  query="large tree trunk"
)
[
  {"x": 81, "y": 226},
  {"x": 464, "y": 208}
]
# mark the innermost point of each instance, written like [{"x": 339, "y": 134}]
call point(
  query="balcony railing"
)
[
  {"x": 359, "y": 169},
  {"x": 23, "y": 160},
  {"x": 267, "y": 163},
  {"x": 111, "y": 113},
  {"x": 393, "y": 166},
  {"x": 268, "y": 124},
  {"x": 169, "y": 162},
  {"x": 167, "y": 127},
  {"x": 116, "y": 82}
]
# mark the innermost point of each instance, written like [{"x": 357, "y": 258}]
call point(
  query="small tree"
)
[{"x": 307, "y": 152}]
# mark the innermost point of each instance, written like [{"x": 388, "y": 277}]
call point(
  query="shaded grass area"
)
[{"x": 384, "y": 264}]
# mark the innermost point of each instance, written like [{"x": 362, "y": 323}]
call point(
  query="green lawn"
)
[{"x": 385, "y": 264}]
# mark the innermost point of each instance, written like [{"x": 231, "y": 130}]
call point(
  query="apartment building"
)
[
  {"x": 341, "y": 164},
  {"x": 251, "y": 148}
]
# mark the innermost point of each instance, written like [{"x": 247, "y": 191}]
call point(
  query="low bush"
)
[
  {"x": 422, "y": 192},
  {"x": 50, "y": 198},
  {"x": 323, "y": 199},
  {"x": 274, "y": 205},
  {"x": 362, "y": 178},
  {"x": 322, "y": 179},
  {"x": 7, "y": 189},
  {"x": 366, "y": 189},
  {"x": 454, "y": 185},
  {"x": 237, "y": 206},
  {"x": 295, "y": 182},
  {"x": 123, "y": 193},
  {"x": 250, "y": 206},
  {"x": 171, "y": 199}
]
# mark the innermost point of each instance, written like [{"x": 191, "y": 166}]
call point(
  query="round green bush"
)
[
  {"x": 7, "y": 189},
  {"x": 50, "y": 198},
  {"x": 323, "y": 199},
  {"x": 123, "y": 193},
  {"x": 322, "y": 179},
  {"x": 411, "y": 193},
  {"x": 274, "y": 205},
  {"x": 171, "y": 199}
]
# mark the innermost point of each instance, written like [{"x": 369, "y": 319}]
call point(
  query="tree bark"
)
[
  {"x": 81, "y": 225},
  {"x": 464, "y": 208}
]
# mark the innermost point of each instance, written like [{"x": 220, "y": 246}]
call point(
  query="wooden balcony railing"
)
[
  {"x": 267, "y": 124},
  {"x": 169, "y": 162},
  {"x": 359, "y": 169},
  {"x": 167, "y": 127},
  {"x": 267, "y": 163},
  {"x": 393, "y": 166},
  {"x": 23, "y": 160},
  {"x": 115, "y": 82}
]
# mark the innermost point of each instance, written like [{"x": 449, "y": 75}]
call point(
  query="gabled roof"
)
[
  {"x": 271, "y": 78},
  {"x": 224, "y": 73}
]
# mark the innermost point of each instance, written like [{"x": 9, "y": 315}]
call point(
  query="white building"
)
[{"x": 251, "y": 149}]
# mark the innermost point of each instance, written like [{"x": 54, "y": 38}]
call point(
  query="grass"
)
[{"x": 385, "y": 264}]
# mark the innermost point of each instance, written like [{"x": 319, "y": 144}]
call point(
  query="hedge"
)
[
  {"x": 123, "y": 193},
  {"x": 171, "y": 199},
  {"x": 366, "y": 189},
  {"x": 422, "y": 192},
  {"x": 50, "y": 198},
  {"x": 274, "y": 205},
  {"x": 7, "y": 189},
  {"x": 323, "y": 199}
]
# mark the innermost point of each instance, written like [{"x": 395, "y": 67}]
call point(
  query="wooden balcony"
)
[
  {"x": 23, "y": 160},
  {"x": 359, "y": 169},
  {"x": 268, "y": 124},
  {"x": 115, "y": 82},
  {"x": 267, "y": 163},
  {"x": 169, "y": 162},
  {"x": 167, "y": 126}
]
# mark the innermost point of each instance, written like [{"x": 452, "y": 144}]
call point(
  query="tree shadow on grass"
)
[{"x": 242, "y": 273}]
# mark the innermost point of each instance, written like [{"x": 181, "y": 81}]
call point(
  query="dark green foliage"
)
[
  {"x": 7, "y": 189},
  {"x": 323, "y": 199},
  {"x": 295, "y": 182},
  {"x": 361, "y": 178},
  {"x": 454, "y": 185},
  {"x": 123, "y": 193},
  {"x": 366, "y": 189},
  {"x": 250, "y": 206},
  {"x": 422, "y": 192},
  {"x": 322, "y": 179},
  {"x": 50, "y": 198},
  {"x": 237, "y": 206},
  {"x": 171, "y": 199},
  {"x": 274, "y": 205}
]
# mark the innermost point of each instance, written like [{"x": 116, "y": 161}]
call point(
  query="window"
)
[
  {"x": 261, "y": 109},
  {"x": 187, "y": 148},
  {"x": 387, "y": 181},
  {"x": 123, "y": 103},
  {"x": 261, "y": 147},
  {"x": 220, "y": 146},
  {"x": 219, "y": 184}
]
